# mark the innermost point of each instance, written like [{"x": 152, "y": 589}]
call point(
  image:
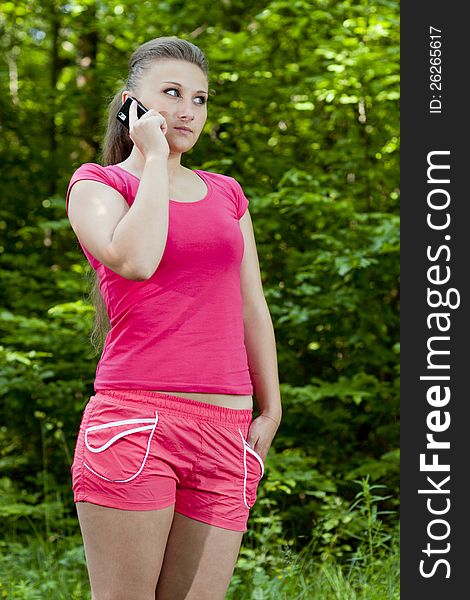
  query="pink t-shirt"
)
[{"x": 182, "y": 329}]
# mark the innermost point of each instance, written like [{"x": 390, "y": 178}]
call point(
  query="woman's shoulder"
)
[
  {"x": 231, "y": 187},
  {"x": 95, "y": 168},
  {"x": 96, "y": 172},
  {"x": 108, "y": 174},
  {"x": 220, "y": 178}
]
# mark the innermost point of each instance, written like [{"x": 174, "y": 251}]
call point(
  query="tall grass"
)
[{"x": 32, "y": 570}]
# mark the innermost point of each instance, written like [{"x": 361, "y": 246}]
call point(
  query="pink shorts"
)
[{"x": 145, "y": 450}]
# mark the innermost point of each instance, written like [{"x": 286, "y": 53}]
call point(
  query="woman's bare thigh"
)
[
  {"x": 124, "y": 549},
  {"x": 199, "y": 561}
]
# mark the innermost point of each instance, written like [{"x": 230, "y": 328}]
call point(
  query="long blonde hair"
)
[{"x": 117, "y": 145}]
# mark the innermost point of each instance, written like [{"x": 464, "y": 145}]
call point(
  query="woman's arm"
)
[
  {"x": 128, "y": 240},
  {"x": 142, "y": 233},
  {"x": 260, "y": 343}
]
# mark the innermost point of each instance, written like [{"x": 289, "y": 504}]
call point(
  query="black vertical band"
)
[{"x": 435, "y": 317}]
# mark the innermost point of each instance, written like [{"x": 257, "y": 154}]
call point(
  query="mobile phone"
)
[{"x": 123, "y": 112}]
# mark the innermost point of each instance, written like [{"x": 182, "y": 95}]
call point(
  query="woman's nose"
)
[{"x": 186, "y": 109}]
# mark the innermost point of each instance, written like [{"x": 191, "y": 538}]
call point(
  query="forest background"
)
[{"x": 304, "y": 113}]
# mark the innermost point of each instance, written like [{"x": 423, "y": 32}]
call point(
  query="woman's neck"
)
[{"x": 135, "y": 163}]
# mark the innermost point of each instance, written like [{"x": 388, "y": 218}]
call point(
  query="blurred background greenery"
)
[{"x": 304, "y": 112}]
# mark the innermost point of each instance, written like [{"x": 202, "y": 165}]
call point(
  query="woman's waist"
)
[
  {"x": 227, "y": 400},
  {"x": 207, "y": 404}
]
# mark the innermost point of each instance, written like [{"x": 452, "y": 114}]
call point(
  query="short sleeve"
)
[
  {"x": 241, "y": 199},
  {"x": 92, "y": 171}
]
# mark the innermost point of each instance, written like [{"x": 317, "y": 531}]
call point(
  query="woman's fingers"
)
[{"x": 132, "y": 114}]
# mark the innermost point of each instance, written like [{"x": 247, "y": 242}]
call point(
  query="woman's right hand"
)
[{"x": 148, "y": 132}]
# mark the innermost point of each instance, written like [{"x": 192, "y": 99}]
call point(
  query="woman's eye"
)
[
  {"x": 171, "y": 90},
  {"x": 176, "y": 90}
]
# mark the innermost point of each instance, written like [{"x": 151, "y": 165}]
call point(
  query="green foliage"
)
[
  {"x": 267, "y": 568},
  {"x": 271, "y": 568},
  {"x": 304, "y": 113}
]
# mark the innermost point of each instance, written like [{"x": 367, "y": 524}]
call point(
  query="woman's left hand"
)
[{"x": 261, "y": 434}]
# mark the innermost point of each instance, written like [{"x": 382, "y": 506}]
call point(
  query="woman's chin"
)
[{"x": 180, "y": 145}]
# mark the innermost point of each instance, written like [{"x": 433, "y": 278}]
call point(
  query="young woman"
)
[{"x": 168, "y": 459}]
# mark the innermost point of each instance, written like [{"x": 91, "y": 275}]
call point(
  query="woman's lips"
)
[{"x": 184, "y": 131}]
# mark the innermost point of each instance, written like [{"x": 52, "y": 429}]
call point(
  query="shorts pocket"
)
[
  {"x": 253, "y": 471},
  {"x": 116, "y": 441}
]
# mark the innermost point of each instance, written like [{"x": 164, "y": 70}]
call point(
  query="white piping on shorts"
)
[
  {"x": 246, "y": 447},
  {"x": 120, "y": 435}
]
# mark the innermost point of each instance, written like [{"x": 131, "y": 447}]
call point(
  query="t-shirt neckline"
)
[{"x": 198, "y": 173}]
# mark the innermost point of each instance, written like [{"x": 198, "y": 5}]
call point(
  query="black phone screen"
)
[{"x": 123, "y": 113}]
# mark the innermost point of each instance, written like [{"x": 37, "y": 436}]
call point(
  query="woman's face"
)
[{"x": 181, "y": 105}]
